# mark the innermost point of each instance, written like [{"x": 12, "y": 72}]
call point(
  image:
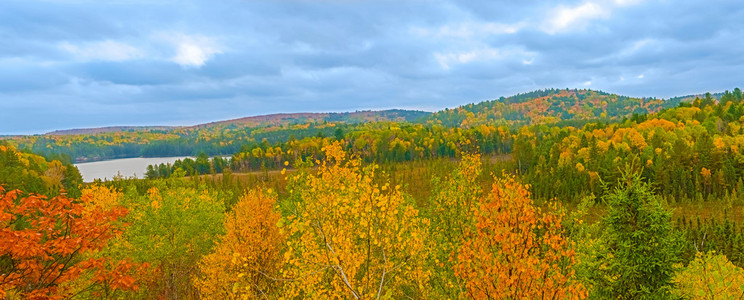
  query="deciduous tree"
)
[
  {"x": 515, "y": 250},
  {"x": 248, "y": 255},
  {"x": 351, "y": 237},
  {"x": 45, "y": 245}
]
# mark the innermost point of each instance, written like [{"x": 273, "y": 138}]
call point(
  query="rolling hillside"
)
[
  {"x": 396, "y": 115},
  {"x": 551, "y": 106}
]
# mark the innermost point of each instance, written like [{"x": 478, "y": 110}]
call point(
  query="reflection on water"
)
[{"x": 127, "y": 167}]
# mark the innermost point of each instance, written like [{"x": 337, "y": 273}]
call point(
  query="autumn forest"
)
[{"x": 551, "y": 194}]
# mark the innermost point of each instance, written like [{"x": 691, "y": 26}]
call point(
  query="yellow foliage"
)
[
  {"x": 706, "y": 175},
  {"x": 100, "y": 196},
  {"x": 247, "y": 257},
  {"x": 351, "y": 237},
  {"x": 710, "y": 276},
  {"x": 719, "y": 144},
  {"x": 654, "y": 123}
]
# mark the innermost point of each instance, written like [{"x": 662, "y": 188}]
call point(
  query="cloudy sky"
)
[{"x": 75, "y": 63}]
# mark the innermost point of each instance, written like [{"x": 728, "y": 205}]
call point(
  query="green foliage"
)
[
  {"x": 638, "y": 248},
  {"x": 172, "y": 226},
  {"x": 704, "y": 235},
  {"x": 34, "y": 174},
  {"x": 451, "y": 215},
  {"x": 218, "y": 138}
]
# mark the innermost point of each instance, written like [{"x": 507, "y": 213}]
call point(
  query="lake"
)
[{"x": 127, "y": 167}]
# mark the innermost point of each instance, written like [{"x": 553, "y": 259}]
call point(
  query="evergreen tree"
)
[{"x": 639, "y": 248}]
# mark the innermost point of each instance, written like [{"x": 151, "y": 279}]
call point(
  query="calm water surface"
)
[{"x": 127, "y": 167}]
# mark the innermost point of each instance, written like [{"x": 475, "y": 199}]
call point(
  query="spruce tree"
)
[{"x": 640, "y": 246}]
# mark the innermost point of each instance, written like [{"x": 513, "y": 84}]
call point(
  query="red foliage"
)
[{"x": 44, "y": 243}]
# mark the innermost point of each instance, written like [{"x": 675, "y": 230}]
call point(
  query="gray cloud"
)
[{"x": 80, "y": 63}]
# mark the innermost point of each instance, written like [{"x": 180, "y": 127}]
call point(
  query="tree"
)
[
  {"x": 639, "y": 248},
  {"x": 247, "y": 254},
  {"x": 516, "y": 251},
  {"x": 45, "y": 246},
  {"x": 172, "y": 227},
  {"x": 451, "y": 213},
  {"x": 202, "y": 163},
  {"x": 151, "y": 173},
  {"x": 350, "y": 237},
  {"x": 709, "y": 276}
]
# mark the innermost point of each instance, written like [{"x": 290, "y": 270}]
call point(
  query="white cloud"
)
[
  {"x": 466, "y": 30},
  {"x": 193, "y": 50},
  {"x": 564, "y": 19},
  {"x": 641, "y": 76},
  {"x": 447, "y": 60},
  {"x": 569, "y": 17},
  {"x": 469, "y": 29},
  {"x": 107, "y": 50},
  {"x": 627, "y": 2},
  {"x": 588, "y": 83}
]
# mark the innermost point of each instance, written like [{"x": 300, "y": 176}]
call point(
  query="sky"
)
[{"x": 75, "y": 63}]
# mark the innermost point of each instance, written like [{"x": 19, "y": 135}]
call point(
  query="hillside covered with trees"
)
[
  {"x": 641, "y": 203},
  {"x": 564, "y": 107}
]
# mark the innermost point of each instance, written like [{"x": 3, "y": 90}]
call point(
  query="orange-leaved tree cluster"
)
[
  {"x": 515, "y": 250},
  {"x": 46, "y": 246}
]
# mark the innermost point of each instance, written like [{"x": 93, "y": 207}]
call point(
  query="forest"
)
[{"x": 553, "y": 194}]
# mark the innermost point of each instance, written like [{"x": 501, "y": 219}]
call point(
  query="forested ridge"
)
[
  {"x": 217, "y": 138},
  {"x": 562, "y": 107},
  {"x": 554, "y": 194}
]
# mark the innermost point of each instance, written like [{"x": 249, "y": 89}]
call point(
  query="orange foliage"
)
[
  {"x": 44, "y": 242},
  {"x": 515, "y": 251}
]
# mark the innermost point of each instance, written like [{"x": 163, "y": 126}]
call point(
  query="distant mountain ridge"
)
[
  {"x": 106, "y": 129},
  {"x": 535, "y": 107},
  {"x": 556, "y": 107},
  {"x": 397, "y": 115}
]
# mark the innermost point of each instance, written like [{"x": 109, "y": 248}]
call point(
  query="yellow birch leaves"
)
[
  {"x": 248, "y": 254},
  {"x": 351, "y": 237}
]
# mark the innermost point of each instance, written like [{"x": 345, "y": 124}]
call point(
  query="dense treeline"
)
[
  {"x": 691, "y": 152},
  {"x": 341, "y": 229},
  {"x": 35, "y": 174},
  {"x": 550, "y": 106},
  {"x": 156, "y": 143},
  {"x": 220, "y": 138},
  {"x": 383, "y": 142}
]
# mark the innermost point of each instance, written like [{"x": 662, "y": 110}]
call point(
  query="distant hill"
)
[
  {"x": 108, "y": 129},
  {"x": 551, "y": 106},
  {"x": 216, "y": 138},
  {"x": 397, "y": 115},
  {"x": 561, "y": 107}
]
